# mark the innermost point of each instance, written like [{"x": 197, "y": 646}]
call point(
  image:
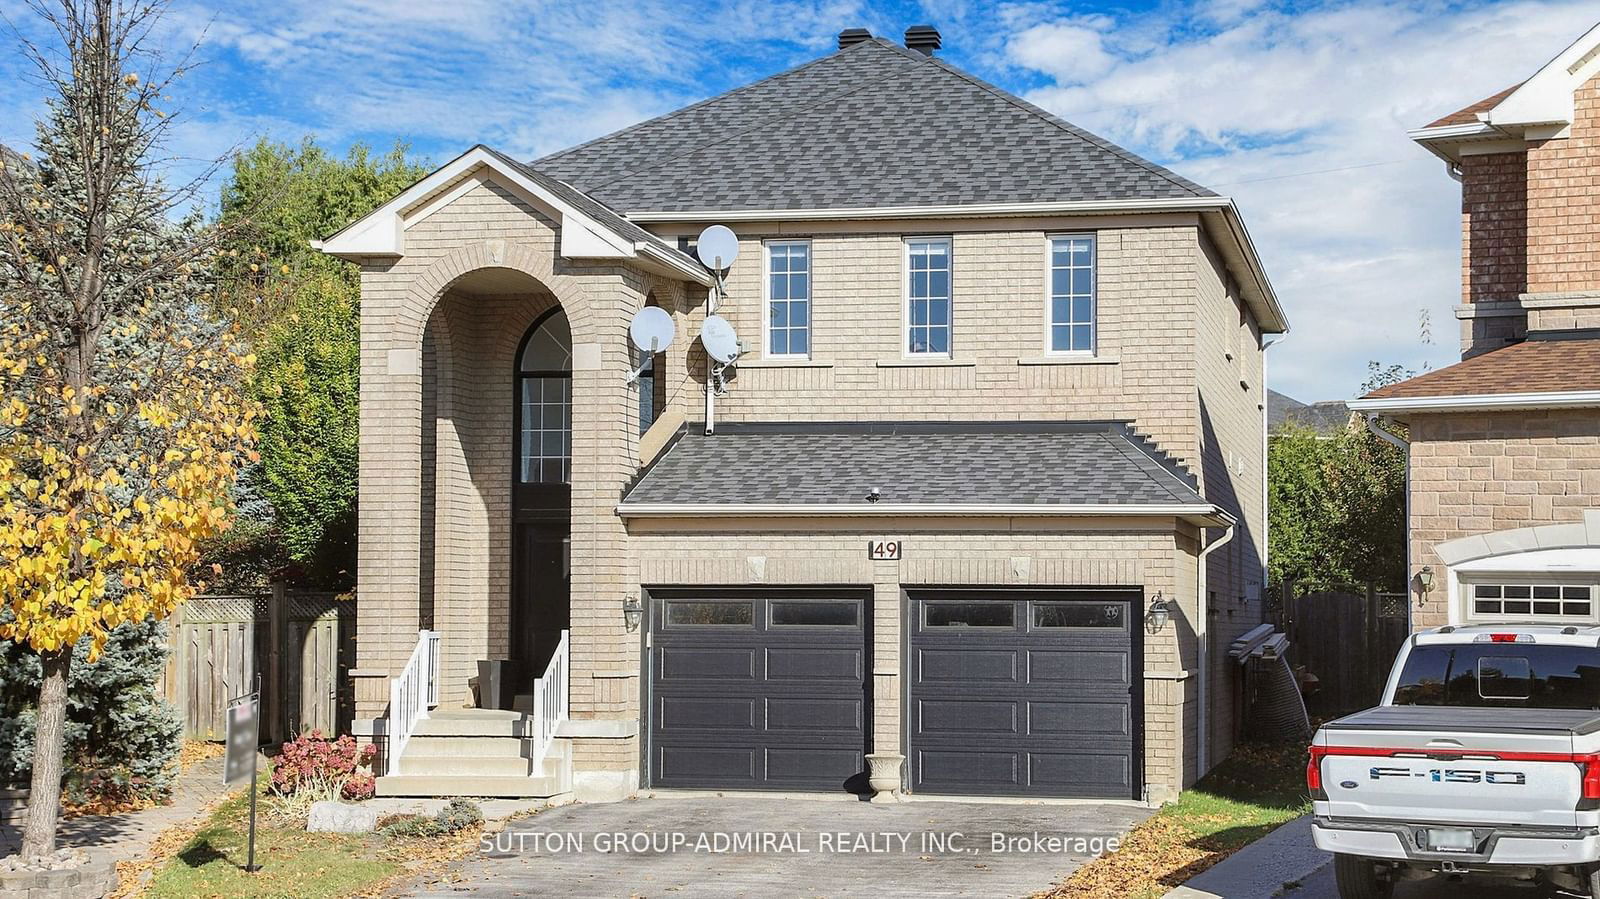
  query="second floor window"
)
[
  {"x": 928, "y": 296},
  {"x": 789, "y": 298},
  {"x": 1072, "y": 294}
]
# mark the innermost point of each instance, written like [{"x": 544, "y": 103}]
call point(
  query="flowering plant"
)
[{"x": 312, "y": 761}]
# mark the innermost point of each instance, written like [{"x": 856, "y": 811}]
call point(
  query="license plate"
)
[{"x": 1451, "y": 840}]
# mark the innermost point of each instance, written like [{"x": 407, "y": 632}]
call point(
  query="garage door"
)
[
  {"x": 1029, "y": 693},
  {"x": 757, "y": 690}
]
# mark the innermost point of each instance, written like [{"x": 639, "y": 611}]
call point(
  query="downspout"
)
[
  {"x": 1203, "y": 628},
  {"x": 1371, "y": 420}
]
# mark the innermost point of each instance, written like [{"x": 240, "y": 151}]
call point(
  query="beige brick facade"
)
[
  {"x": 1475, "y": 473},
  {"x": 1530, "y": 225},
  {"x": 1178, "y": 356}
]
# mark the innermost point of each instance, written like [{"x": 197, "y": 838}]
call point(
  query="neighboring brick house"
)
[
  {"x": 1002, "y": 392},
  {"x": 1504, "y": 518}
]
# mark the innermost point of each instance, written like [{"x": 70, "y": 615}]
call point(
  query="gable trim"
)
[{"x": 382, "y": 232}]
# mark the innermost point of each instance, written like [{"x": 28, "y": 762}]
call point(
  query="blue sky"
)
[{"x": 1297, "y": 108}]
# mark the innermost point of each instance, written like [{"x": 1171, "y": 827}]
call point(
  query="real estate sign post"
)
[{"x": 244, "y": 741}]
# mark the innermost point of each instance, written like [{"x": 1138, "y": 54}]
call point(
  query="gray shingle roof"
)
[
  {"x": 1010, "y": 463},
  {"x": 872, "y": 125},
  {"x": 589, "y": 206}
]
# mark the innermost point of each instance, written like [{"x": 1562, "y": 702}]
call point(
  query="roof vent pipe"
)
[
  {"x": 852, "y": 36},
  {"x": 922, "y": 38}
]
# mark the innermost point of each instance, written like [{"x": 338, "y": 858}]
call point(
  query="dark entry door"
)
[
  {"x": 1031, "y": 693},
  {"x": 758, "y": 690},
  {"x": 541, "y": 605}
]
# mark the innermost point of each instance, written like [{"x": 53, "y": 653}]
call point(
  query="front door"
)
[{"x": 541, "y": 498}]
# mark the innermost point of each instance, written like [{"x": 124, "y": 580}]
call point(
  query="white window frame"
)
[
  {"x": 1094, "y": 294},
  {"x": 905, "y": 295},
  {"x": 1574, "y": 567},
  {"x": 1469, "y": 598},
  {"x": 766, "y": 296}
]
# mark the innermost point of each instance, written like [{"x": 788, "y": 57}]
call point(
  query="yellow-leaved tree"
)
[{"x": 122, "y": 416}]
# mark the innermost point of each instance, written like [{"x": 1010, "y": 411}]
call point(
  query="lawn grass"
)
[
  {"x": 293, "y": 862},
  {"x": 1252, "y": 792}
]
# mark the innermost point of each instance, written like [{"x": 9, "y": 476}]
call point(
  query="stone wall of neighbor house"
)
[
  {"x": 441, "y": 327},
  {"x": 1477, "y": 472},
  {"x": 1530, "y": 225},
  {"x": 1563, "y": 227},
  {"x": 1002, "y": 553},
  {"x": 1494, "y": 250}
]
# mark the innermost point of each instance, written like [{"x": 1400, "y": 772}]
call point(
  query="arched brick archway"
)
[{"x": 428, "y": 288}]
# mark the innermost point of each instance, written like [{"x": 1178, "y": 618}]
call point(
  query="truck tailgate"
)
[{"x": 1466, "y": 765}]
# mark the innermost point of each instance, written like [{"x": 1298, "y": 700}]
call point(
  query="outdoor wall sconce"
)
[
  {"x": 1425, "y": 578},
  {"x": 1156, "y": 617},
  {"x": 632, "y": 612}
]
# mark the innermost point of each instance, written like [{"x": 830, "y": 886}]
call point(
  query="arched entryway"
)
[{"x": 541, "y": 495}]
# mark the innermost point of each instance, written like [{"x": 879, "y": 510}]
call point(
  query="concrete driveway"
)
[
  {"x": 1320, "y": 886},
  {"x": 759, "y": 846}
]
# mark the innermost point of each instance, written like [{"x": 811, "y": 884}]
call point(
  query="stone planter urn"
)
[{"x": 883, "y": 775}]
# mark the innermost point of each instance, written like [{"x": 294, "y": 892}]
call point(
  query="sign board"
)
[
  {"x": 244, "y": 739},
  {"x": 883, "y": 550}
]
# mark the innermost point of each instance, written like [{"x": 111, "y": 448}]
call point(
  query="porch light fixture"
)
[
  {"x": 1425, "y": 578},
  {"x": 1156, "y": 617},
  {"x": 632, "y": 612}
]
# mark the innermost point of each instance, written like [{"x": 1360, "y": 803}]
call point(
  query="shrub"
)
[
  {"x": 312, "y": 762},
  {"x": 122, "y": 739},
  {"x": 459, "y": 815}
]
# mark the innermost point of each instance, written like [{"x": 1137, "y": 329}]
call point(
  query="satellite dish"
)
[
  {"x": 717, "y": 247},
  {"x": 652, "y": 329},
  {"x": 717, "y": 336}
]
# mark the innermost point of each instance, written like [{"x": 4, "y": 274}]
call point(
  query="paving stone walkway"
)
[{"x": 128, "y": 836}]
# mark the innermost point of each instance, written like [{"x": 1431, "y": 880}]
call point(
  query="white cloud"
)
[
  {"x": 1070, "y": 52},
  {"x": 1246, "y": 98}
]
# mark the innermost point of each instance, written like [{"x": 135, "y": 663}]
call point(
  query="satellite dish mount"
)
[{"x": 652, "y": 331}]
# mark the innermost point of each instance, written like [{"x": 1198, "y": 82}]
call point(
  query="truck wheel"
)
[{"x": 1358, "y": 878}]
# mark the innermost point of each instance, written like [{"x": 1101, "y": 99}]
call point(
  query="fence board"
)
[
  {"x": 221, "y": 643},
  {"x": 1347, "y": 638}
]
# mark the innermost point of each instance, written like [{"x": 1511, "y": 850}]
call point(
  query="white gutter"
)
[
  {"x": 973, "y": 210},
  {"x": 1576, "y": 399},
  {"x": 1212, "y": 515},
  {"x": 1447, "y": 132},
  {"x": 1203, "y": 631},
  {"x": 676, "y": 261}
]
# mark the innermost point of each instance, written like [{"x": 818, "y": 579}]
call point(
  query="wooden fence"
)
[
  {"x": 1346, "y": 637},
  {"x": 299, "y": 643}
]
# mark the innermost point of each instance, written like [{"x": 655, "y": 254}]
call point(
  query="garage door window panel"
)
[
  {"x": 1080, "y": 615},
  {"x": 719, "y": 613},
  {"x": 970, "y": 614},
  {"x": 815, "y": 613}
]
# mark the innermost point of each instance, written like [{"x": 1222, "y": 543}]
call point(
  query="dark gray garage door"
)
[
  {"x": 757, "y": 690},
  {"x": 1026, "y": 693}
]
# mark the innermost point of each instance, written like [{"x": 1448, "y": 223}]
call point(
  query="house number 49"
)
[{"x": 883, "y": 550}]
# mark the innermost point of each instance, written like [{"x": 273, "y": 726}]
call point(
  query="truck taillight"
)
[
  {"x": 1314, "y": 774},
  {"x": 1591, "y": 777}
]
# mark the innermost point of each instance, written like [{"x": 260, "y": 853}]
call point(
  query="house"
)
[
  {"x": 1504, "y": 517},
  {"x": 980, "y": 498}
]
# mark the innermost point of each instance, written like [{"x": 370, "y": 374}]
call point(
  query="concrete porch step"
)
[
  {"x": 493, "y": 724},
  {"x": 466, "y": 765},
  {"x": 423, "y": 744},
  {"x": 434, "y": 785}
]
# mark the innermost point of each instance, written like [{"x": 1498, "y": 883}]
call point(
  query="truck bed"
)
[{"x": 1471, "y": 720}]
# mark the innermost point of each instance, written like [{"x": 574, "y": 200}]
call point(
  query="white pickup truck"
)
[{"x": 1484, "y": 758}]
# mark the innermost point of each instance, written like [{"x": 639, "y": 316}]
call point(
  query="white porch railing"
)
[
  {"x": 411, "y": 695},
  {"x": 550, "y": 700}
]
